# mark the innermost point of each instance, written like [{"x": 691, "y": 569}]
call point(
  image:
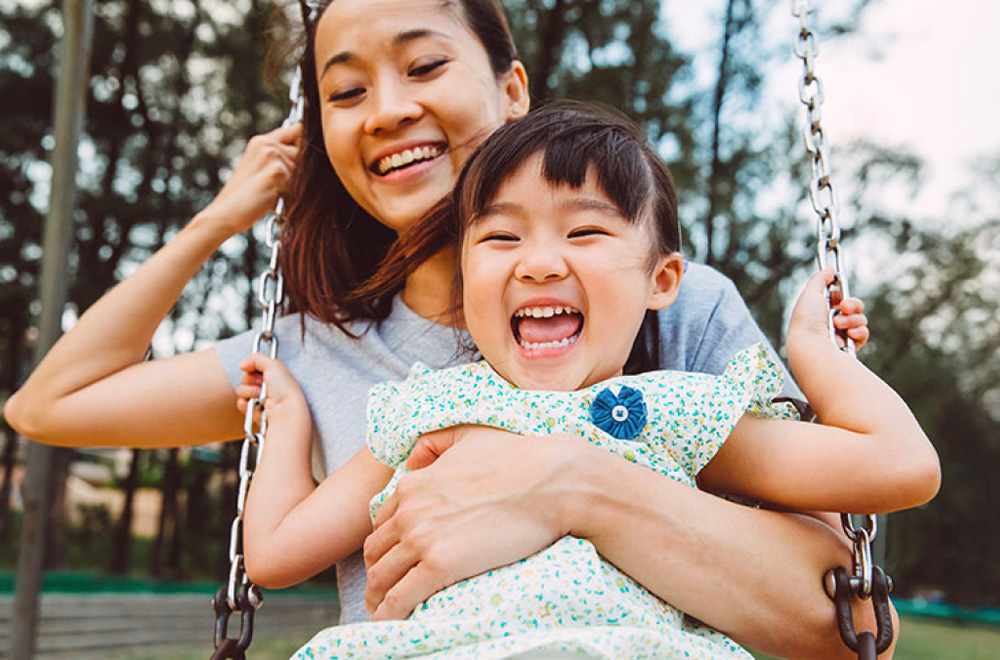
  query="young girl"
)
[{"x": 567, "y": 227}]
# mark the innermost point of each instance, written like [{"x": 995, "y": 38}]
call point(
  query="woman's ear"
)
[
  {"x": 515, "y": 87},
  {"x": 666, "y": 281}
]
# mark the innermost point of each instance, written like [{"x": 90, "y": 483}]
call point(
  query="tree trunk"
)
[
  {"x": 717, "y": 166},
  {"x": 168, "y": 513},
  {"x": 121, "y": 551},
  {"x": 55, "y": 543},
  {"x": 549, "y": 50},
  {"x": 14, "y": 327},
  {"x": 9, "y": 453}
]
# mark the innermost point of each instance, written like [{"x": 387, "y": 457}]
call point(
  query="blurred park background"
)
[{"x": 178, "y": 86}]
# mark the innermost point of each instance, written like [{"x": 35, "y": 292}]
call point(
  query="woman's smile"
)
[{"x": 400, "y": 159}]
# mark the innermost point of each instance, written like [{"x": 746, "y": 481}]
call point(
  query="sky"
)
[{"x": 919, "y": 74}]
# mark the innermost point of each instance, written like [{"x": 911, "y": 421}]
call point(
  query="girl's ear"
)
[
  {"x": 515, "y": 86},
  {"x": 666, "y": 281}
]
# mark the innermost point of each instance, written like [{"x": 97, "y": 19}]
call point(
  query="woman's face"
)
[{"x": 406, "y": 93}]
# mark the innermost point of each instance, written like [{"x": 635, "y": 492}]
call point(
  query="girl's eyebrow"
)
[
  {"x": 582, "y": 203},
  {"x": 498, "y": 208},
  {"x": 400, "y": 39},
  {"x": 592, "y": 204}
]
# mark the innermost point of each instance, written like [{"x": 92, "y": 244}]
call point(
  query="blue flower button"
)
[{"x": 622, "y": 416}]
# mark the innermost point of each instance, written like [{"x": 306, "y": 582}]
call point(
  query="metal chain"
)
[
  {"x": 241, "y": 595},
  {"x": 828, "y": 249}
]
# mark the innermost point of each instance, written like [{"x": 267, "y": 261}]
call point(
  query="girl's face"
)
[
  {"x": 406, "y": 93},
  {"x": 556, "y": 282}
]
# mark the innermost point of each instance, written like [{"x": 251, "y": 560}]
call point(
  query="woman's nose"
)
[
  {"x": 541, "y": 264},
  {"x": 393, "y": 106}
]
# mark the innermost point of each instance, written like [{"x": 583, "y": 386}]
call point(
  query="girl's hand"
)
[
  {"x": 283, "y": 390},
  {"x": 809, "y": 318},
  {"x": 261, "y": 175},
  {"x": 474, "y": 508}
]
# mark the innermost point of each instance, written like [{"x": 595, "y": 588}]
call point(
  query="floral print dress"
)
[{"x": 565, "y": 598}]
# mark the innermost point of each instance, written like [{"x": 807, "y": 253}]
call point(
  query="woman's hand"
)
[
  {"x": 260, "y": 177},
  {"x": 475, "y": 506}
]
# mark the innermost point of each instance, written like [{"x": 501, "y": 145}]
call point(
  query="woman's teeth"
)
[
  {"x": 406, "y": 157},
  {"x": 543, "y": 312}
]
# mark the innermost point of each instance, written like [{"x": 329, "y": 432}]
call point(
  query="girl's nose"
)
[
  {"x": 393, "y": 106},
  {"x": 541, "y": 264}
]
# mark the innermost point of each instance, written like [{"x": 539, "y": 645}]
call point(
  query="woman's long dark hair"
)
[{"x": 331, "y": 247}]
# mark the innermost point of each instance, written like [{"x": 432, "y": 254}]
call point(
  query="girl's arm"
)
[
  {"x": 93, "y": 387},
  {"x": 294, "y": 529},
  {"x": 868, "y": 456}
]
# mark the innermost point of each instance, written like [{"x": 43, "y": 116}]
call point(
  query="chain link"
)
[
  {"x": 828, "y": 249},
  {"x": 270, "y": 295}
]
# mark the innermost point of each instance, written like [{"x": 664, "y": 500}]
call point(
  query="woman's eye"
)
[
  {"x": 347, "y": 94},
  {"x": 498, "y": 237},
  {"x": 427, "y": 68}
]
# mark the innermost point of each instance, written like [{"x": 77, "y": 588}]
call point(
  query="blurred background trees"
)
[{"x": 177, "y": 89}]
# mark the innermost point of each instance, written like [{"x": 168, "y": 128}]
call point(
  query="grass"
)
[
  {"x": 932, "y": 639},
  {"x": 923, "y": 639}
]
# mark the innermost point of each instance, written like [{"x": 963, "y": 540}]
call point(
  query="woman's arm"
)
[
  {"x": 93, "y": 387},
  {"x": 869, "y": 455},
  {"x": 293, "y": 528},
  {"x": 494, "y": 498}
]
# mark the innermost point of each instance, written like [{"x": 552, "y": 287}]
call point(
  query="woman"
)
[{"x": 398, "y": 94}]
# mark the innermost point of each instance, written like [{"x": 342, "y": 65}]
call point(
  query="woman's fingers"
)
[
  {"x": 261, "y": 175},
  {"x": 431, "y": 446},
  {"x": 385, "y": 573},
  {"x": 402, "y": 599}
]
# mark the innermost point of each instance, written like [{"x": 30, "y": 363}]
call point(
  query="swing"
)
[{"x": 864, "y": 580}]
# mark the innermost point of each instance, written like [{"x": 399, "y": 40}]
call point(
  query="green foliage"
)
[
  {"x": 937, "y": 341},
  {"x": 613, "y": 52}
]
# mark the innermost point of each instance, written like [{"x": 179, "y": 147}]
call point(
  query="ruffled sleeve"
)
[
  {"x": 399, "y": 413},
  {"x": 692, "y": 415}
]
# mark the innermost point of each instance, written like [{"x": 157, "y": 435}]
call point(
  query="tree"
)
[{"x": 160, "y": 134}]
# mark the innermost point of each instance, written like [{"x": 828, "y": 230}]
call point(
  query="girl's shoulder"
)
[{"x": 751, "y": 377}]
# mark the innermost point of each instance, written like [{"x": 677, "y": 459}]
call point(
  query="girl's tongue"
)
[{"x": 554, "y": 328}]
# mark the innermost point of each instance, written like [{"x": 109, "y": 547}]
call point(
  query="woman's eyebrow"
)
[
  {"x": 400, "y": 39},
  {"x": 418, "y": 33}
]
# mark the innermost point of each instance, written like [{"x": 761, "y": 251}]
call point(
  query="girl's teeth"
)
[
  {"x": 532, "y": 346},
  {"x": 544, "y": 312}
]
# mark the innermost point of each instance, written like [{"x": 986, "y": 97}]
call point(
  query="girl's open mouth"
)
[{"x": 544, "y": 328}]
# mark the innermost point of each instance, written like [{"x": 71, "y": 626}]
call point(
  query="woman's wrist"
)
[{"x": 581, "y": 487}]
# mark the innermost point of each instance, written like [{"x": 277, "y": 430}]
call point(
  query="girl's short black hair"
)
[{"x": 576, "y": 138}]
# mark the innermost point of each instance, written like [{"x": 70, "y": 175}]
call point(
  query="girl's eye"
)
[
  {"x": 347, "y": 94},
  {"x": 587, "y": 231},
  {"x": 427, "y": 68}
]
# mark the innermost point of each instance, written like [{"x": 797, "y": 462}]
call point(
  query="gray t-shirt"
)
[{"x": 707, "y": 325}]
